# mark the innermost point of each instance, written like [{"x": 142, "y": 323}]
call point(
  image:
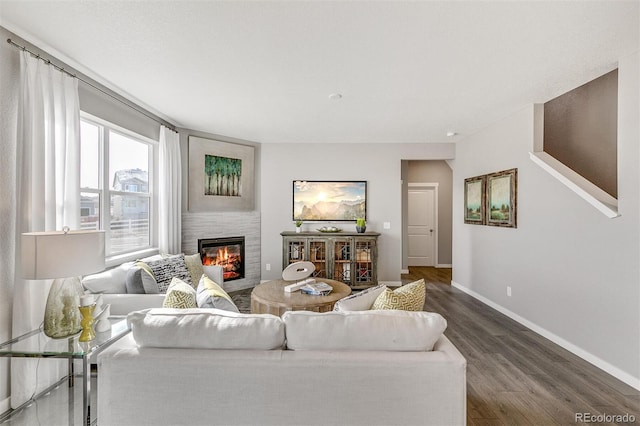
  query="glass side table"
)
[{"x": 35, "y": 344}]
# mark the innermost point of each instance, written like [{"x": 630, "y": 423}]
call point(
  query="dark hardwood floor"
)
[{"x": 515, "y": 376}]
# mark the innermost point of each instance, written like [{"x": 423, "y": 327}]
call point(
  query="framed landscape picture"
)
[
  {"x": 474, "y": 200},
  {"x": 329, "y": 201},
  {"x": 501, "y": 198}
]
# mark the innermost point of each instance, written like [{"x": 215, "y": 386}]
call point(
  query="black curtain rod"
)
[{"x": 88, "y": 83}]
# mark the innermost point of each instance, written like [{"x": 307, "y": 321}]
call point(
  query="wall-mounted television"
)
[{"x": 329, "y": 201}]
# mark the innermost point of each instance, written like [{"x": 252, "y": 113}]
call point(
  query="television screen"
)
[{"x": 329, "y": 201}]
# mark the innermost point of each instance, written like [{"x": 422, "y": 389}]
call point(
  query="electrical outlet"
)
[
  {"x": 509, "y": 291},
  {"x": 386, "y": 225},
  {"x": 268, "y": 266}
]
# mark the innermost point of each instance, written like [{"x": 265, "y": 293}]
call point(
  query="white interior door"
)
[{"x": 421, "y": 227}]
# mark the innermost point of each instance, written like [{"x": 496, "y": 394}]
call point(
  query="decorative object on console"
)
[
  {"x": 298, "y": 226},
  {"x": 329, "y": 229},
  {"x": 409, "y": 297},
  {"x": 221, "y": 176},
  {"x": 102, "y": 323},
  {"x": 62, "y": 254},
  {"x": 329, "y": 201},
  {"x": 87, "y": 306},
  {"x": 361, "y": 225}
]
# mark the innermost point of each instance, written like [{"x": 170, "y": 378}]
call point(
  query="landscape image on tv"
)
[{"x": 329, "y": 200}]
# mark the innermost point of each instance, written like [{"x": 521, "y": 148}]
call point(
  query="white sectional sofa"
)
[
  {"x": 211, "y": 367},
  {"x": 111, "y": 284}
]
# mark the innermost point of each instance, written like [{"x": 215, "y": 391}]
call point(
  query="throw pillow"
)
[
  {"x": 211, "y": 295},
  {"x": 180, "y": 295},
  {"x": 206, "y": 329},
  {"x": 111, "y": 281},
  {"x": 360, "y": 301},
  {"x": 141, "y": 281},
  {"x": 166, "y": 269},
  {"x": 409, "y": 297},
  {"x": 363, "y": 330},
  {"x": 194, "y": 265}
]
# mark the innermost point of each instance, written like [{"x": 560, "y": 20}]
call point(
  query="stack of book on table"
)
[{"x": 316, "y": 289}]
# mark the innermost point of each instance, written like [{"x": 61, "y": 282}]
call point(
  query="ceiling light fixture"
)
[
  {"x": 335, "y": 96},
  {"x": 451, "y": 134}
]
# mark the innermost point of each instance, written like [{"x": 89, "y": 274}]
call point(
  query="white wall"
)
[
  {"x": 9, "y": 79},
  {"x": 378, "y": 164},
  {"x": 574, "y": 273}
]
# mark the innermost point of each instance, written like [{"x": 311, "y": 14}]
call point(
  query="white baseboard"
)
[
  {"x": 444, "y": 265},
  {"x": 5, "y": 405},
  {"x": 587, "y": 356},
  {"x": 404, "y": 271}
]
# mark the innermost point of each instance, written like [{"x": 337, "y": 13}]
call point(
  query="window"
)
[{"x": 116, "y": 165}]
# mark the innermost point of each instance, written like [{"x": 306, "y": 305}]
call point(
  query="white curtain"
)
[
  {"x": 47, "y": 198},
  {"x": 170, "y": 192}
]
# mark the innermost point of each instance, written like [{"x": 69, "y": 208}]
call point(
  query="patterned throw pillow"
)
[
  {"x": 180, "y": 295},
  {"x": 409, "y": 297},
  {"x": 211, "y": 295},
  {"x": 166, "y": 269}
]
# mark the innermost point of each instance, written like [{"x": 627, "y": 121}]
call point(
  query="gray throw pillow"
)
[
  {"x": 211, "y": 295},
  {"x": 168, "y": 268},
  {"x": 140, "y": 281}
]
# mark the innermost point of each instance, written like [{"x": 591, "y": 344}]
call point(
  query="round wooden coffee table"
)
[{"x": 270, "y": 298}]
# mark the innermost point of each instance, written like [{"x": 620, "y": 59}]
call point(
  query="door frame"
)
[{"x": 434, "y": 186}]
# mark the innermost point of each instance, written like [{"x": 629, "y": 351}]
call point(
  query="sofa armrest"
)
[{"x": 122, "y": 304}]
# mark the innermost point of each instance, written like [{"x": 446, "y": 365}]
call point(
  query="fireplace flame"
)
[{"x": 229, "y": 260}]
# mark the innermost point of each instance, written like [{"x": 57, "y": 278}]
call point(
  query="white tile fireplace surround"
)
[{"x": 226, "y": 224}]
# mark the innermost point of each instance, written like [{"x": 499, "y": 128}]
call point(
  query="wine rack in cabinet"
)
[{"x": 349, "y": 257}]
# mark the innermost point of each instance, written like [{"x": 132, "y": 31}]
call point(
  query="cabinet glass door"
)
[
  {"x": 318, "y": 256},
  {"x": 342, "y": 260},
  {"x": 295, "y": 250},
  {"x": 364, "y": 261}
]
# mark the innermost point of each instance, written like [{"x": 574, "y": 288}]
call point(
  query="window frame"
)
[{"x": 105, "y": 192}]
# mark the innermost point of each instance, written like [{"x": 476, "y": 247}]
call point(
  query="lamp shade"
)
[{"x": 58, "y": 254}]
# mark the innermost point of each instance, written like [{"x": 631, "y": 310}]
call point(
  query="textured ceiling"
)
[{"x": 263, "y": 71}]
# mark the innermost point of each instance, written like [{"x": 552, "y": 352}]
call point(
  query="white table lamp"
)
[{"x": 62, "y": 255}]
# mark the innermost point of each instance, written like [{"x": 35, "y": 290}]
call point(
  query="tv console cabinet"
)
[{"x": 349, "y": 257}]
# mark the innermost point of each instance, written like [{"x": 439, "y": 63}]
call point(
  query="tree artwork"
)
[{"x": 222, "y": 176}]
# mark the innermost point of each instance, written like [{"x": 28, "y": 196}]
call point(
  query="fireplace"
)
[{"x": 226, "y": 252}]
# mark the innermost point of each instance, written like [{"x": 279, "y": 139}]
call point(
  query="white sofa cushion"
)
[
  {"x": 360, "y": 301},
  {"x": 112, "y": 281},
  {"x": 363, "y": 330},
  {"x": 206, "y": 329}
]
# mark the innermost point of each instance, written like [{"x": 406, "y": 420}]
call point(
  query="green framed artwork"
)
[
  {"x": 501, "y": 198},
  {"x": 221, "y": 176},
  {"x": 474, "y": 200}
]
